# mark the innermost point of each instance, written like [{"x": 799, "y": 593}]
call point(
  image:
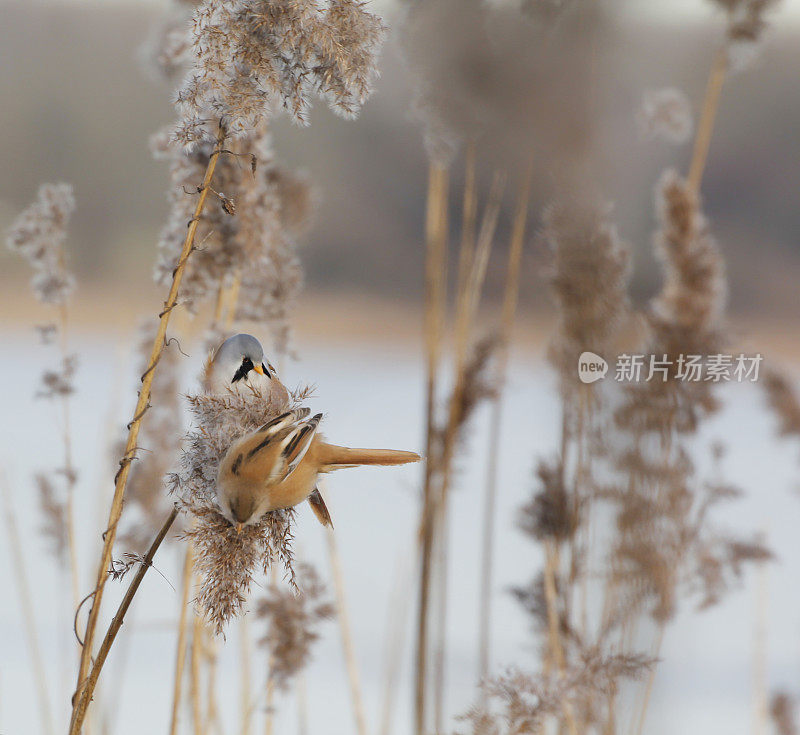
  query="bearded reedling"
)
[
  {"x": 277, "y": 467},
  {"x": 239, "y": 364}
]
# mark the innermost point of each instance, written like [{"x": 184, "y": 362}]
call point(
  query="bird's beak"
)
[
  {"x": 262, "y": 370},
  {"x": 239, "y": 528}
]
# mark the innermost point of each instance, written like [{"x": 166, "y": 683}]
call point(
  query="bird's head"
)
[{"x": 237, "y": 356}]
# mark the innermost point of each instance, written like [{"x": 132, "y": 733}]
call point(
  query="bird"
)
[
  {"x": 239, "y": 363},
  {"x": 278, "y": 466}
]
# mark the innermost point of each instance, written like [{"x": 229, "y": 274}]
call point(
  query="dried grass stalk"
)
[{"x": 79, "y": 709}]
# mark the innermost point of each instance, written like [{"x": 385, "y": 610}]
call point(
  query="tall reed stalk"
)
[
  {"x": 26, "y": 608},
  {"x": 142, "y": 405},
  {"x": 348, "y": 647},
  {"x": 180, "y": 654},
  {"x": 510, "y": 297},
  {"x": 435, "y": 297}
]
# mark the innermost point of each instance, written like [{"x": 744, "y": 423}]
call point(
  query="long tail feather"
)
[{"x": 335, "y": 457}]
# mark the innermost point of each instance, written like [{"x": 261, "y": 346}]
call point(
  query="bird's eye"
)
[{"x": 244, "y": 368}]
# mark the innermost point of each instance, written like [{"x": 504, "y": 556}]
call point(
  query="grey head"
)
[{"x": 237, "y": 356}]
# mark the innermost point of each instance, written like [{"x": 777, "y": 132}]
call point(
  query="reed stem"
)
[
  {"x": 708, "y": 115},
  {"x": 435, "y": 297},
  {"x": 180, "y": 655},
  {"x": 510, "y": 298},
  {"x": 88, "y": 687},
  {"x": 28, "y": 618},
  {"x": 347, "y": 637},
  {"x": 142, "y": 405}
]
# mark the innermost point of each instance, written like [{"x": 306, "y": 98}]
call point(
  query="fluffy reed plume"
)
[
  {"x": 226, "y": 560},
  {"x": 146, "y": 501},
  {"x": 38, "y": 235},
  {"x": 782, "y": 712},
  {"x": 665, "y": 113},
  {"x": 250, "y": 237},
  {"x": 54, "y": 514},
  {"x": 784, "y": 402},
  {"x": 588, "y": 276},
  {"x": 250, "y": 56},
  {"x": 746, "y": 25},
  {"x": 293, "y": 617},
  {"x": 519, "y": 702},
  {"x": 495, "y": 72}
]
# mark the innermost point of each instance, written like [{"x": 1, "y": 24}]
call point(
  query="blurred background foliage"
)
[{"x": 78, "y": 106}]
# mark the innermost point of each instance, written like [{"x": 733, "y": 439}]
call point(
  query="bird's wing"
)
[
  {"x": 288, "y": 435},
  {"x": 284, "y": 421},
  {"x": 297, "y": 442},
  {"x": 317, "y": 503}
]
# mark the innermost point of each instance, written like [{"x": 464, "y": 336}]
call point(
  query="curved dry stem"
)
[
  {"x": 88, "y": 687},
  {"x": 142, "y": 405}
]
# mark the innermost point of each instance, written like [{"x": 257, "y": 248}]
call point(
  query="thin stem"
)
[
  {"x": 347, "y": 636},
  {"x": 69, "y": 469},
  {"x": 245, "y": 674},
  {"x": 180, "y": 655},
  {"x": 468, "y": 219},
  {"x": 650, "y": 680},
  {"x": 708, "y": 115},
  {"x": 28, "y": 619},
  {"x": 233, "y": 298},
  {"x": 194, "y": 680},
  {"x": 142, "y": 405},
  {"x": 212, "y": 710},
  {"x": 116, "y": 623},
  {"x": 510, "y": 298},
  {"x": 435, "y": 297},
  {"x": 399, "y": 608}
]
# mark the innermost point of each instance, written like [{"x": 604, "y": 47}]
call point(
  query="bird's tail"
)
[{"x": 333, "y": 457}]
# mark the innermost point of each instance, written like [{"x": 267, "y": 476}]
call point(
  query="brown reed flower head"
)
[
  {"x": 665, "y": 113},
  {"x": 293, "y": 617},
  {"x": 58, "y": 383},
  {"x": 251, "y": 56},
  {"x": 38, "y": 234},
  {"x": 693, "y": 295},
  {"x": 588, "y": 275},
  {"x": 146, "y": 499},
  {"x": 784, "y": 402},
  {"x": 165, "y": 52},
  {"x": 519, "y": 702},
  {"x": 226, "y": 560},
  {"x": 782, "y": 712},
  {"x": 550, "y": 514},
  {"x": 257, "y": 244},
  {"x": 746, "y": 25},
  {"x": 54, "y": 513}
]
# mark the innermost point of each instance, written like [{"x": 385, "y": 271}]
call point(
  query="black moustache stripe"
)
[{"x": 244, "y": 368}]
